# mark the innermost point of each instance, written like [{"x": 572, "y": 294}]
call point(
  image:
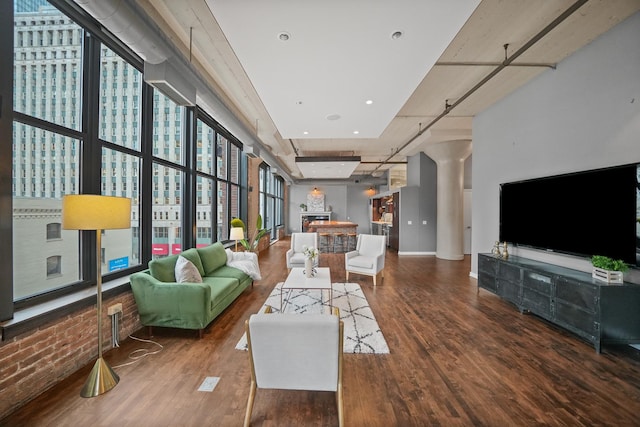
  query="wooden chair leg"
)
[
  {"x": 374, "y": 279},
  {"x": 200, "y": 333},
  {"x": 347, "y": 279},
  {"x": 252, "y": 396},
  {"x": 150, "y": 331}
]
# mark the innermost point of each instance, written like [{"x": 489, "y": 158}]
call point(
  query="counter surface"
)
[
  {"x": 332, "y": 224},
  {"x": 333, "y": 227}
]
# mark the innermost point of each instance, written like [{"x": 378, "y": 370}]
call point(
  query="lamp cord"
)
[{"x": 145, "y": 352}]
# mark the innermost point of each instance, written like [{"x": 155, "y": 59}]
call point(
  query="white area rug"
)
[{"x": 361, "y": 331}]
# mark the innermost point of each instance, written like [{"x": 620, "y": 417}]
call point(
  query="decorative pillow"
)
[
  {"x": 186, "y": 271},
  {"x": 194, "y": 256}
]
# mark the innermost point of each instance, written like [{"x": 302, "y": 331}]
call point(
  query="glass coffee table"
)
[{"x": 297, "y": 280}]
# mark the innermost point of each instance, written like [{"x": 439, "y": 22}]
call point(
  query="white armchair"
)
[
  {"x": 295, "y": 352},
  {"x": 295, "y": 256},
  {"x": 368, "y": 258}
]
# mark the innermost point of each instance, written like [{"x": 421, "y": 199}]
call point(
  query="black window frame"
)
[{"x": 90, "y": 150}]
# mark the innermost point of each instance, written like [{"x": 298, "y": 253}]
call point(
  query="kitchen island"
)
[
  {"x": 337, "y": 235},
  {"x": 333, "y": 227}
]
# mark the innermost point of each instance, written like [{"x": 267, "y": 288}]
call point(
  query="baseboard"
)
[{"x": 416, "y": 253}]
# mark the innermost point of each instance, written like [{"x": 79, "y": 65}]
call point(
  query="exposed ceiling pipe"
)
[
  {"x": 353, "y": 179},
  {"x": 127, "y": 21},
  {"x": 399, "y": 162},
  {"x": 508, "y": 60},
  {"x": 493, "y": 64},
  {"x": 295, "y": 150}
]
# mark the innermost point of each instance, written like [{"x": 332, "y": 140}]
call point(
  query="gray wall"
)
[
  {"x": 359, "y": 207},
  {"x": 418, "y": 204},
  {"x": 583, "y": 115}
]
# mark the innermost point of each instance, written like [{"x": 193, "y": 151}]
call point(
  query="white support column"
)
[{"x": 449, "y": 157}]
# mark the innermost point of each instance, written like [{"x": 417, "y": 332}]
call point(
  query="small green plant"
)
[
  {"x": 303, "y": 206},
  {"x": 237, "y": 222},
  {"x": 606, "y": 263}
]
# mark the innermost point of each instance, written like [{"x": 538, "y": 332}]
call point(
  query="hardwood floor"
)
[{"x": 458, "y": 358}]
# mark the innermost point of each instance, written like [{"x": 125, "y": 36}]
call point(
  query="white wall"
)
[{"x": 583, "y": 115}]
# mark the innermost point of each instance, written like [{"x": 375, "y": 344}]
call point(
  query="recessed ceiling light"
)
[
  {"x": 368, "y": 102},
  {"x": 333, "y": 117},
  {"x": 355, "y": 132},
  {"x": 284, "y": 36},
  {"x": 305, "y": 132},
  {"x": 396, "y": 35}
]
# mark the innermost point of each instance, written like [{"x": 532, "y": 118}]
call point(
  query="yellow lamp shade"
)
[{"x": 93, "y": 212}]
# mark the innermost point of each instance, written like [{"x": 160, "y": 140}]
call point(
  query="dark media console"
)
[{"x": 596, "y": 311}]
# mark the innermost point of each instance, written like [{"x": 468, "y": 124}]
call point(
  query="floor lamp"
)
[
  {"x": 93, "y": 212},
  {"x": 237, "y": 233}
]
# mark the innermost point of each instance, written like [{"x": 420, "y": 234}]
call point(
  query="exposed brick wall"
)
[
  {"x": 264, "y": 243},
  {"x": 35, "y": 361},
  {"x": 253, "y": 203}
]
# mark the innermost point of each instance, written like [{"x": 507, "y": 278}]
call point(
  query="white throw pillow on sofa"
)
[{"x": 186, "y": 271}]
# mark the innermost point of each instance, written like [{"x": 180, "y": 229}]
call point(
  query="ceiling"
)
[{"x": 424, "y": 84}]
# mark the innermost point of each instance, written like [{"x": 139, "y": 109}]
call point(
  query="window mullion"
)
[
  {"x": 6, "y": 141},
  {"x": 189, "y": 187}
]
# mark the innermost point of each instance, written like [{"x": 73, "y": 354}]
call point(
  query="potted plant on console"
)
[{"x": 608, "y": 269}]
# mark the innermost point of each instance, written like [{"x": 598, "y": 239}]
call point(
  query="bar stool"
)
[
  {"x": 324, "y": 242},
  {"x": 351, "y": 241},
  {"x": 338, "y": 239}
]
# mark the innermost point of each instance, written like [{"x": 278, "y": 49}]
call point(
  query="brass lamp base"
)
[{"x": 101, "y": 379}]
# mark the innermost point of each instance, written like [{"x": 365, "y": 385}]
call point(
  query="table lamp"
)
[
  {"x": 237, "y": 233},
  {"x": 93, "y": 212}
]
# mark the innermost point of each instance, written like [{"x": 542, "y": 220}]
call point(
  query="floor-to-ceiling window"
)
[
  {"x": 119, "y": 136},
  {"x": 271, "y": 200},
  {"x": 84, "y": 121},
  {"x": 47, "y": 146},
  {"x": 169, "y": 169},
  {"x": 218, "y": 166}
]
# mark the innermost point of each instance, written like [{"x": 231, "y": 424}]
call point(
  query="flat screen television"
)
[{"x": 585, "y": 213}]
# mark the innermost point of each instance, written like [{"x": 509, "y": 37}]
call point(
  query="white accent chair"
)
[
  {"x": 295, "y": 256},
  {"x": 295, "y": 352},
  {"x": 368, "y": 258}
]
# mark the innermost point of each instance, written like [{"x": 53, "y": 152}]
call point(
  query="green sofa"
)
[{"x": 163, "y": 302}]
